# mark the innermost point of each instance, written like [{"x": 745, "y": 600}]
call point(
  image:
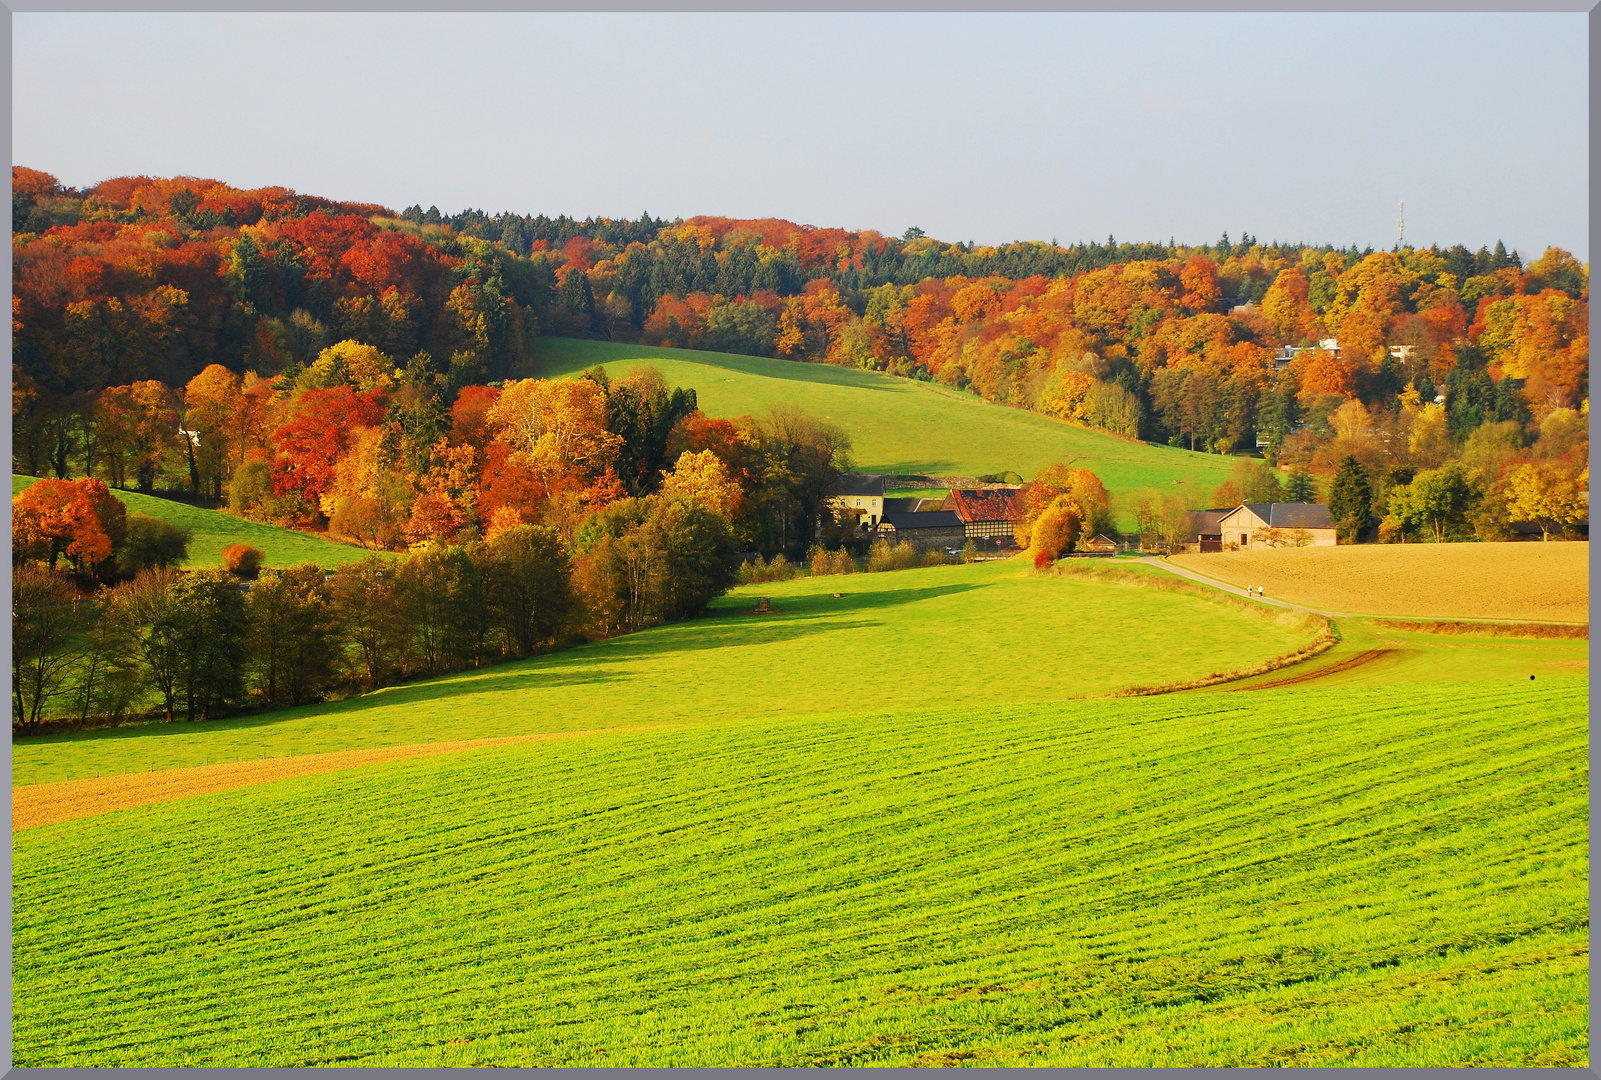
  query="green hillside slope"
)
[
  {"x": 987, "y": 634},
  {"x": 898, "y": 425},
  {"x": 1394, "y": 877},
  {"x": 212, "y": 530}
]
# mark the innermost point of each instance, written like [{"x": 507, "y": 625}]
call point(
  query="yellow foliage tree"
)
[
  {"x": 1055, "y": 532},
  {"x": 210, "y": 403},
  {"x": 557, "y": 429},
  {"x": 348, "y": 363},
  {"x": 1542, "y": 494},
  {"x": 1429, "y": 440},
  {"x": 705, "y": 478}
]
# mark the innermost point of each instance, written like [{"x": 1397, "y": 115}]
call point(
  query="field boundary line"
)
[
  {"x": 66, "y": 800},
  {"x": 1326, "y": 638}
]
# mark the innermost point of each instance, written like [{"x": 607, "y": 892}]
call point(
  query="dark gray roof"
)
[
  {"x": 1292, "y": 515},
  {"x": 1207, "y": 521},
  {"x": 862, "y": 484},
  {"x": 928, "y": 519},
  {"x": 901, "y": 506}
]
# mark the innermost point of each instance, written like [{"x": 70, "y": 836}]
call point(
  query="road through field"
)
[
  {"x": 1233, "y": 590},
  {"x": 47, "y": 804}
]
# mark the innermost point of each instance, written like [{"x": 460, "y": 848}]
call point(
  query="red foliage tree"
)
[{"x": 307, "y": 448}]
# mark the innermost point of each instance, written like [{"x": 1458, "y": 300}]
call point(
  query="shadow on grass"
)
[
  {"x": 557, "y": 357},
  {"x": 585, "y": 665}
]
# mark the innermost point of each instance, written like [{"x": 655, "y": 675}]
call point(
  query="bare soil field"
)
[
  {"x": 1519, "y": 582},
  {"x": 47, "y": 804}
]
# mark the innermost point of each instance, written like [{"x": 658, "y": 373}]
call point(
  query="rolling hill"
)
[
  {"x": 886, "y": 828},
  {"x": 212, "y": 530},
  {"x": 898, "y": 426},
  {"x": 934, "y": 620}
]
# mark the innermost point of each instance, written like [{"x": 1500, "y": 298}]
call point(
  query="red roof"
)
[{"x": 990, "y": 504}]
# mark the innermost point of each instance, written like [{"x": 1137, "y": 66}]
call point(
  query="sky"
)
[{"x": 983, "y": 128}]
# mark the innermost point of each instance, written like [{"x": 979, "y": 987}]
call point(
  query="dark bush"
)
[
  {"x": 151, "y": 544},
  {"x": 242, "y": 561}
]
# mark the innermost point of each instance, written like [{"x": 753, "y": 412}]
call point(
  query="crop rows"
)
[{"x": 1366, "y": 877}]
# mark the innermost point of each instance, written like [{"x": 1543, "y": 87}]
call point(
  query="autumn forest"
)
[{"x": 342, "y": 365}]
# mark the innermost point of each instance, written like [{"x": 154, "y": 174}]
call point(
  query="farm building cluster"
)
[{"x": 988, "y": 516}]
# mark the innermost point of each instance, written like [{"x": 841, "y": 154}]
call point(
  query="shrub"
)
[
  {"x": 152, "y": 544},
  {"x": 759, "y": 571},
  {"x": 885, "y": 556},
  {"x": 369, "y": 522},
  {"x": 242, "y": 561}
]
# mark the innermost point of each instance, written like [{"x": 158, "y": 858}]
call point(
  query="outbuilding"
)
[
  {"x": 931, "y": 529},
  {"x": 1100, "y": 545}
]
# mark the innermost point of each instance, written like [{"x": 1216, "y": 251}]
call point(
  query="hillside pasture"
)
[
  {"x": 1390, "y": 877},
  {"x": 212, "y": 530},
  {"x": 996, "y": 634},
  {"x": 897, "y": 426},
  {"x": 1514, "y": 582}
]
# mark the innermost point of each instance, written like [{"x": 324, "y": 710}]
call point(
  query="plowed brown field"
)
[
  {"x": 46, "y": 804},
  {"x": 1522, "y": 582}
]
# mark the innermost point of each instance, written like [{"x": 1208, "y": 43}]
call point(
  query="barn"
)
[
  {"x": 988, "y": 514},
  {"x": 929, "y": 530},
  {"x": 1258, "y": 526}
]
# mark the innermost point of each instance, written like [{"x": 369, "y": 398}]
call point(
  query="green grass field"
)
[
  {"x": 891, "y": 828},
  {"x": 212, "y": 530},
  {"x": 897, "y": 426},
  {"x": 1358, "y": 877},
  {"x": 995, "y": 633}
]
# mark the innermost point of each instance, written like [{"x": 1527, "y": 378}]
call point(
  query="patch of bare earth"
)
[
  {"x": 1517, "y": 582},
  {"x": 64, "y": 800}
]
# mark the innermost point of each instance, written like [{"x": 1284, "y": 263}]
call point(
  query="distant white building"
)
[{"x": 1288, "y": 353}]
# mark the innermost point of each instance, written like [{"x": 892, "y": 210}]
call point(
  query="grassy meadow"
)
[
  {"x": 896, "y": 827},
  {"x": 212, "y": 530},
  {"x": 897, "y": 426},
  {"x": 1388, "y": 876},
  {"x": 990, "y": 633}
]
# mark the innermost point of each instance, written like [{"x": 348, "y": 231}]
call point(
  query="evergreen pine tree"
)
[{"x": 1351, "y": 498}]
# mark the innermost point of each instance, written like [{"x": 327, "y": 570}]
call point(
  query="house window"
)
[
  {"x": 858, "y": 502},
  {"x": 1245, "y": 539}
]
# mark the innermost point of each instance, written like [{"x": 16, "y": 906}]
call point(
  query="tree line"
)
[{"x": 198, "y": 644}]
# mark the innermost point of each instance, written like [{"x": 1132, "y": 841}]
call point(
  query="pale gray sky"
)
[{"x": 974, "y": 127}]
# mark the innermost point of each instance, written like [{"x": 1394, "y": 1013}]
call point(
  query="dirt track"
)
[
  {"x": 1344, "y": 665},
  {"x": 46, "y": 804}
]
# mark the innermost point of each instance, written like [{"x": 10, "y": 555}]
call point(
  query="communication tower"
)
[{"x": 1400, "y": 226}]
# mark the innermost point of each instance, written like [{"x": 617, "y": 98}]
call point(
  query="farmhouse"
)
[
  {"x": 1270, "y": 525},
  {"x": 987, "y": 514},
  {"x": 928, "y": 530},
  {"x": 862, "y": 492}
]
